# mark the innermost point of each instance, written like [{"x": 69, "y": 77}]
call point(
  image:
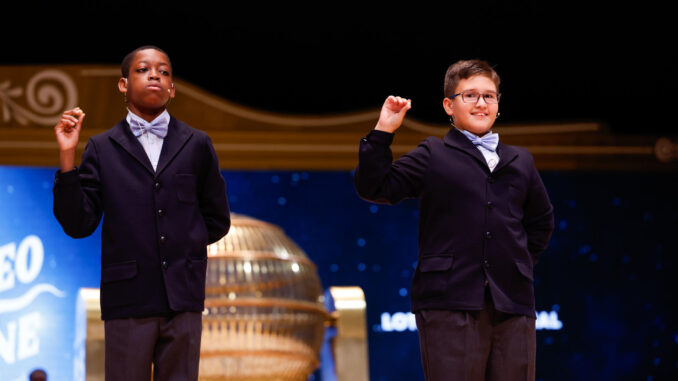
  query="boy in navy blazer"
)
[
  {"x": 156, "y": 181},
  {"x": 484, "y": 219}
]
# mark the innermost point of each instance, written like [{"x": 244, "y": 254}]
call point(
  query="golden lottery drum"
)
[{"x": 264, "y": 315}]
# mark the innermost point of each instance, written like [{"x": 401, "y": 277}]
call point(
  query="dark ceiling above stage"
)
[{"x": 558, "y": 63}]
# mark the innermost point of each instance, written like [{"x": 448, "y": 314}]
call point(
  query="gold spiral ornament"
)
[
  {"x": 264, "y": 315},
  {"x": 48, "y": 93}
]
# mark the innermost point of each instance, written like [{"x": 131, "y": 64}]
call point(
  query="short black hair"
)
[
  {"x": 38, "y": 375},
  {"x": 127, "y": 61}
]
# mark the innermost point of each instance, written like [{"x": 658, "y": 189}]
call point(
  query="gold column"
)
[
  {"x": 350, "y": 344},
  {"x": 89, "y": 336}
]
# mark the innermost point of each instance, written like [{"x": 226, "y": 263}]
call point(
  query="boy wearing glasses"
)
[{"x": 484, "y": 219}]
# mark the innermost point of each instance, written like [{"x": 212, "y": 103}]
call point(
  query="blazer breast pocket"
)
[{"x": 186, "y": 187}]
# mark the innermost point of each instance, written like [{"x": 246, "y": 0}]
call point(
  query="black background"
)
[{"x": 561, "y": 62}]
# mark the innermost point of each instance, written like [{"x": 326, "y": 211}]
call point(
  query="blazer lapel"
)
[
  {"x": 506, "y": 155},
  {"x": 177, "y": 136},
  {"x": 457, "y": 140},
  {"x": 122, "y": 135}
]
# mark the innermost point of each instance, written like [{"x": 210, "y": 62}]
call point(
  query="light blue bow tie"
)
[
  {"x": 158, "y": 127},
  {"x": 489, "y": 141}
]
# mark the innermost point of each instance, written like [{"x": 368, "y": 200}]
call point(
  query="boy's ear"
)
[
  {"x": 447, "y": 105},
  {"x": 122, "y": 85}
]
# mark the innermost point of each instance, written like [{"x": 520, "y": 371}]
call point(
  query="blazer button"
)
[
  {"x": 161, "y": 212},
  {"x": 486, "y": 264},
  {"x": 163, "y": 239},
  {"x": 164, "y": 264},
  {"x": 490, "y": 179},
  {"x": 488, "y": 235},
  {"x": 490, "y": 204},
  {"x": 156, "y": 185}
]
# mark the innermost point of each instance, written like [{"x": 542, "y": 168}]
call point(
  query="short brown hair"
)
[{"x": 467, "y": 69}]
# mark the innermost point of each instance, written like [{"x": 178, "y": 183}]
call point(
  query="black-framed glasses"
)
[{"x": 472, "y": 96}]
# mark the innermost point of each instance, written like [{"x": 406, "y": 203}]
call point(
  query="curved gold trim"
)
[
  {"x": 240, "y": 288},
  {"x": 254, "y": 254},
  {"x": 439, "y": 130},
  {"x": 272, "y": 118},
  {"x": 268, "y": 302},
  {"x": 244, "y": 220},
  {"x": 258, "y": 353},
  {"x": 591, "y": 150},
  {"x": 243, "y": 288}
]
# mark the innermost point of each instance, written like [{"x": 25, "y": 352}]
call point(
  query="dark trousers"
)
[
  {"x": 477, "y": 345},
  {"x": 171, "y": 344}
]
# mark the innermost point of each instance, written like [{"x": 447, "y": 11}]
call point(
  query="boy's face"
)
[
  {"x": 477, "y": 117},
  {"x": 149, "y": 85}
]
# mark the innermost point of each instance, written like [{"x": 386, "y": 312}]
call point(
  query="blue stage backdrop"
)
[{"x": 604, "y": 286}]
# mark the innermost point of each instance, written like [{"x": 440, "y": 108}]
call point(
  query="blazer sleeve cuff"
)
[
  {"x": 380, "y": 137},
  {"x": 67, "y": 178}
]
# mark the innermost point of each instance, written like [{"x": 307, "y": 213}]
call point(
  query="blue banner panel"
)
[{"x": 41, "y": 270}]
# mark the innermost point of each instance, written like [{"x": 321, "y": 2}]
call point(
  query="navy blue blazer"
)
[
  {"x": 156, "y": 224},
  {"x": 476, "y": 227}
]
